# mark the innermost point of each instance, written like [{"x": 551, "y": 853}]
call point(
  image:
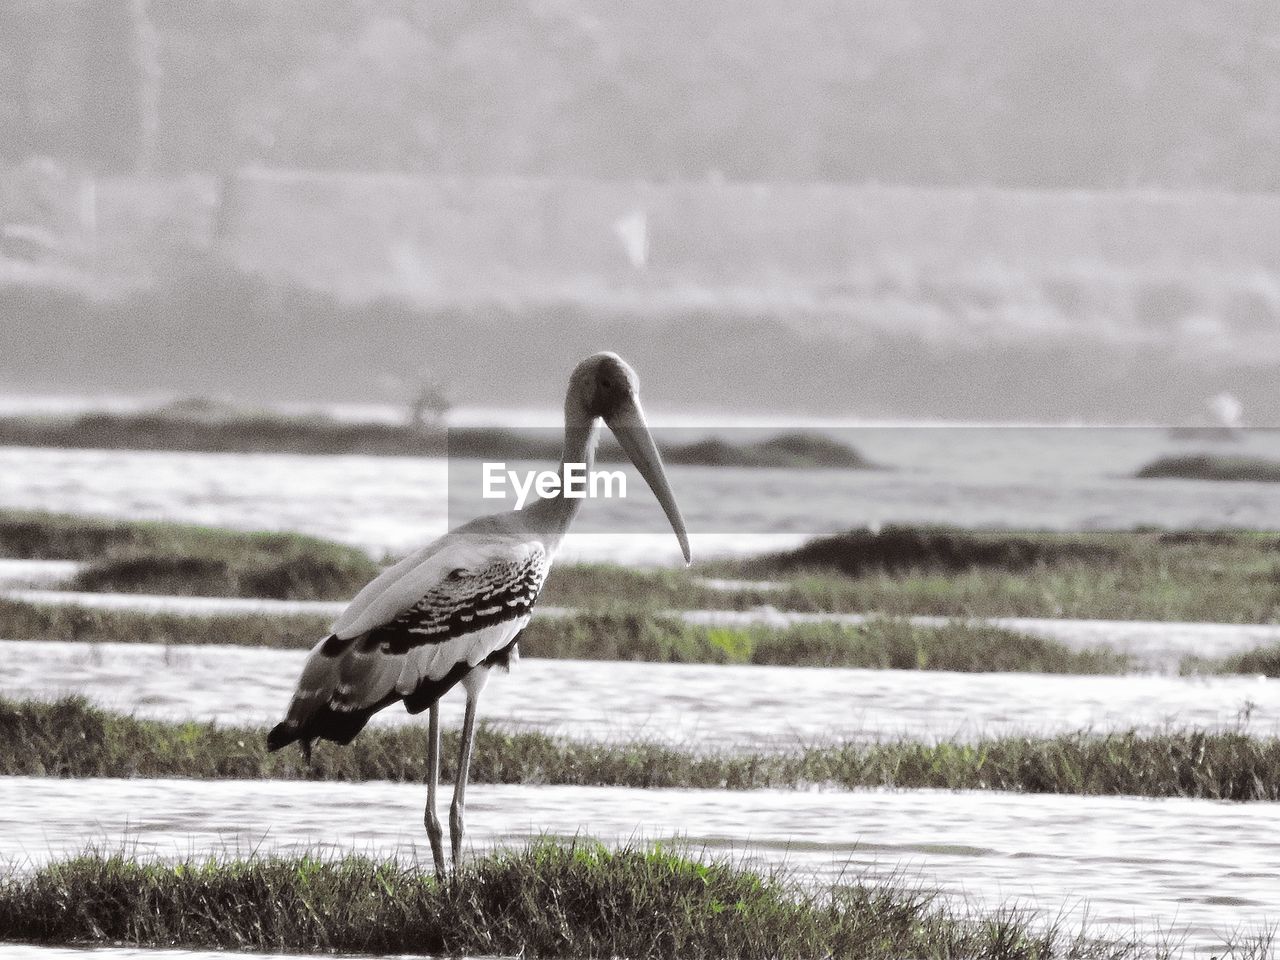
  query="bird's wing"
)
[
  {"x": 476, "y": 611},
  {"x": 455, "y": 602},
  {"x": 394, "y": 589}
]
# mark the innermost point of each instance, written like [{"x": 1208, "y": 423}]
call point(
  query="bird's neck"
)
[{"x": 552, "y": 515}]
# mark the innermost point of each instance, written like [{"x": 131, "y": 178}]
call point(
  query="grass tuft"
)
[
  {"x": 549, "y": 900},
  {"x": 71, "y": 738}
]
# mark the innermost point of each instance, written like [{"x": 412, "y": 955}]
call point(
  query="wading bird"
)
[{"x": 453, "y": 610}]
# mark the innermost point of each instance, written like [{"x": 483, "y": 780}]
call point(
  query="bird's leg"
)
[
  {"x": 458, "y": 809},
  {"x": 434, "y": 833}
]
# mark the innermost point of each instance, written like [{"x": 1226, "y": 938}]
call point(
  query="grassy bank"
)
[
  {"x": 899, "y": 549},
  {"x": 33, "y": 535},
  {"x": 152, "y": 557},
  {"x": 1262, "y": 661},
  {"x": 70, "y": 738},
  {"x": 135, "y": 556},
  {"x": 34, "y": 621},
  {"x": 1221, "y": 576},
  {"x": 579, "y": 900},
  {"x": 1212, "y": 467},
  {"x": 638, "y": 636},
  {"x": 1218, "y": 576},
  {"x": 877, "y": 644},
  {"x": 633, "y": 635}
]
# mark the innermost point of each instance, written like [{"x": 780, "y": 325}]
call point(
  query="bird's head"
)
[
  {"x": 600, "y": 386},
  {"x": 604, "y": 386}
]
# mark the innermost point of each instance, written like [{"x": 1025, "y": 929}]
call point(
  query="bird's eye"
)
[
  {"x": 457, "y": 573},
  {"x": 606, "y": 383}
]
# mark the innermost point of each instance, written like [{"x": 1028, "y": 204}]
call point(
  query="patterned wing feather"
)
[{"x": 470, "y": 598}]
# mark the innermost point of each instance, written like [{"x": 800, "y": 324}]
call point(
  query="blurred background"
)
[{"x": 991, "y": 211}]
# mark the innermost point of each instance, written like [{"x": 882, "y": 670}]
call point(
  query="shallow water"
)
[
  {"x": 708, "y": 706},
  {"x": 1032, "y": 478},
  {"x": 1199, "y": 865},
  {"x": 1203, "y": 865},
  {"x": 27, "y": 574}
]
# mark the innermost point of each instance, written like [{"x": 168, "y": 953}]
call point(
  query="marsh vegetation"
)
[
  {"x": 631, "y": 634},
  {"x": 71, "y": 738},
  {"x": 1228, "y": 576},
  {"x": 153, "y": 557},
  {"x": 549, "y": 900},
  {"x": 1218, "y": 576}
]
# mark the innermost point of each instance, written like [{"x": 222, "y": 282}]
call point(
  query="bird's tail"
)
[
  {"x": 281, "y": 735},
  {"x": 285, "y": 733},
  {"x": 340, "y": 726}
]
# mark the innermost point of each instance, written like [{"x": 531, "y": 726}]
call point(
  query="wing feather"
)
[
  {"x": 366, "y": 674},
  {"x": 394, "y": 590}
]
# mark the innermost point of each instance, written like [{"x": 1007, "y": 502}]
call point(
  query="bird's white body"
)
[{"x": 457, "y": 603}]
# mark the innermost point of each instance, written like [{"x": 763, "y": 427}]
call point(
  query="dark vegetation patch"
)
[
  {"x": 572, "y": 900},
  {"x": 154, "y": 557},
  {"x": 1226, "y": 576},
  {"x": 1261, "y": 661},
  {"x": 901, "y": 549},
  {"x": 1212, "y": 467},
  {"x": 284, "y": 574},
  {"x": 70, "y": 738}
]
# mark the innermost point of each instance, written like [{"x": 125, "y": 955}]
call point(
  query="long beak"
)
[{"x": 628, "y": 425}]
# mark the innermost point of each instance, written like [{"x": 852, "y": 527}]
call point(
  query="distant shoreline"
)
[{"x": 320, "y": 435}]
